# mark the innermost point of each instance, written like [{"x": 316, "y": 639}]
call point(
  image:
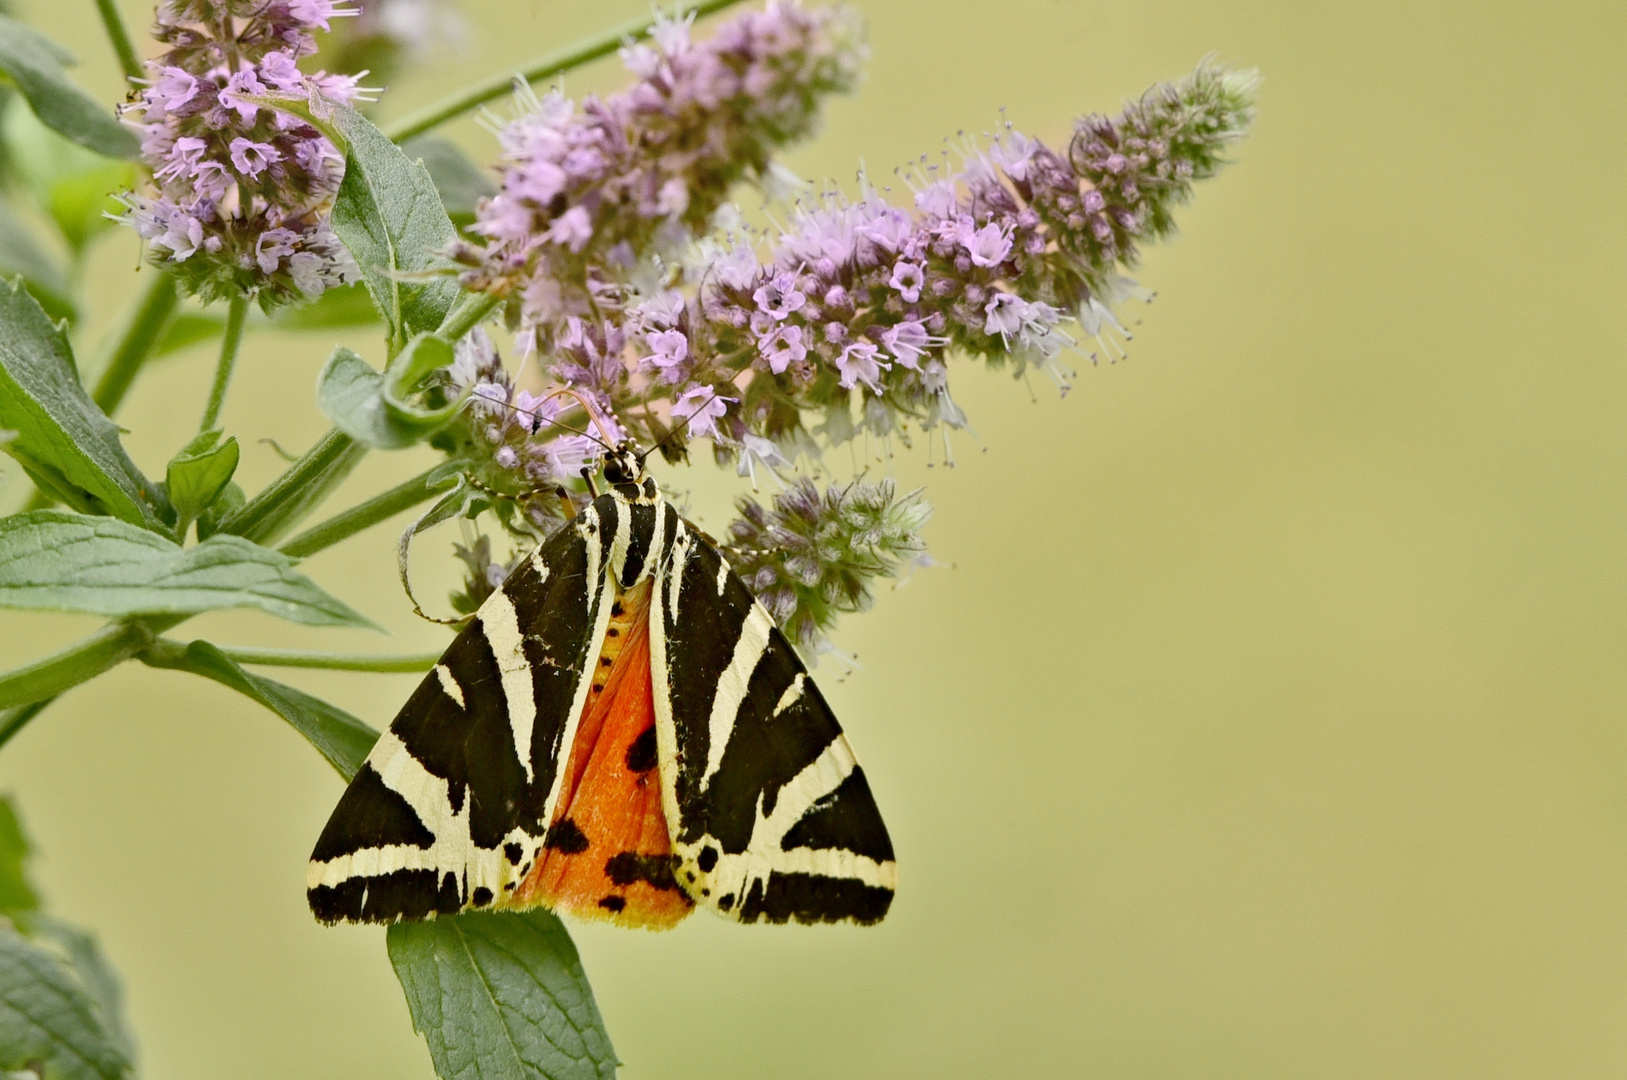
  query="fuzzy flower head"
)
[
  {"x": 591, "y": 192},
  {"x": 243, "y": 192}
]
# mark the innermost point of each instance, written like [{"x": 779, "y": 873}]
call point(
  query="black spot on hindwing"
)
[
  {"x": 641, "y": 754},
  {"x": 565, "y": 837},
  {"x": 655, "y": 870}
]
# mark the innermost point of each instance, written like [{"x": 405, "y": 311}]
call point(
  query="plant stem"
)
[
  {"x": 135, "y": 339},
  {"x": 84, "y": 659},
  {"x": 287, "y": 500},
  {"x": 326, "y": 660},
  {"x": 236, "y": 315},
  {"x": 364, "y": 515},
  {"x": 469, "y": 313},
  {"x": 123, "y": 47},
  {"x": 543, "y": 67},
  {"x": 12, "y": 720}
]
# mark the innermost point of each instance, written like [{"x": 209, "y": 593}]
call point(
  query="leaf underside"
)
[
  {"x": 47, "y": 1017},
  {"x": 501, "y": 996}
]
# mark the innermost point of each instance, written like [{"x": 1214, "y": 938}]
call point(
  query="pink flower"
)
[
  {"x": 173, "y": 89},
  {"x": 702, "y": 407},
  {"x": 908, "y": 342},
  {"x": 241, "y": 84},
  {"x": 908, "y": 278},
  {"x": 573, "y": 228},
  {"x": 669, "y": 348},
  {"x": 989, "y": 245},
  {"x": 782, "y": 347},
  {"x": 1004, "y": 315},
  {"x": 779, "y": 297},
  {"x": 860, "y": 362},
  {"x": 252, "y": 158}
]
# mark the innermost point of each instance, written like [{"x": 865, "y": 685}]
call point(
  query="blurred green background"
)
[{"x": 1268, "y": 722}]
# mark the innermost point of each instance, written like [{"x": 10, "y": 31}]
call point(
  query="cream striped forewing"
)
[{"x": 770, "y": 813}]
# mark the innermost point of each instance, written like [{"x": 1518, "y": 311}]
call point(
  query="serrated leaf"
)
[
  {"x": 372, "y": 406},
  {"x": 20, "y": 254},
  {"x": 96, "y": 976},
  {"x": 198, "y": 474},
  {"x": 46, "y": 1016},
  {"x": 66, "y": 443},
  {"x": 389, "y": 216},
  {"x": 16, "y": 893},
  {"x": 461, "y": 183},
  {"x": 54, "y": 560},
  {"x": 35, "y": 63},
  {"x": 337, "y": 736},
  {"x": 501, "y": 996}
]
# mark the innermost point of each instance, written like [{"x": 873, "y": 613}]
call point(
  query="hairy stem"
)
[
  {"x": 137, "y": 335},
  {"x": 84, "y": 659},
  {"x": 287, "y": 500},
  {"x": 385, "y": 505},
  {"x": 471, "y": 310},
  {"x": 545, "y": 67},
  {"x": 236, "y": 316},
  {"x": 330, "y": 661},
  {"x": 123, "y": 47}
]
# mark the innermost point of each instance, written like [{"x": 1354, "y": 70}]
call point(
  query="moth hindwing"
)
[{"x": 621, "y": 732}]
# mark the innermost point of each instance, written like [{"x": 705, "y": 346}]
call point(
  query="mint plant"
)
[{"x": 603, "y": 249}]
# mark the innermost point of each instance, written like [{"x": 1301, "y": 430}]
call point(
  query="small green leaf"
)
[
  {"x": 198, "y": 474},
  {"x": 35, "y": 64},
  {"x": 337, "y": 736},
  {"x": 66, "y": 443},
  {"x": 100, "y": 982},
  {"x": 47, "y": 1017},
  {"x": 345, "y": 306},
  {"x": 461, "y": 183},
  {"x": 54, "y": 560},
  {"x": 389, "y": 215},
  {"x": 501, "y": 996},
  {"x": 230, "y": 500},
  {"x": 20, "y": 254},
  {"x": 371, "y": 407},
  {"x": 16, "y": 894}
]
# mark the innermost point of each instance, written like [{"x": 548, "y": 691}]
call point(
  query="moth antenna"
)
[{"x": 674, "y": 430}]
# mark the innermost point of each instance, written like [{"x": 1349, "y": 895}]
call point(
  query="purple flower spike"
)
[{"x": 244, "y": 193}]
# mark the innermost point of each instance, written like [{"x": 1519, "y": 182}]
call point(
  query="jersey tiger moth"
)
[{"x": 620, "y": 732}]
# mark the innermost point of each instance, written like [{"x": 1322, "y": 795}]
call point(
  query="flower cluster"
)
[
  {"x": 813, "y": 557},
  {"x": 243, "y": 191},
  {"x": 1013, "y": 259},
  {"x": 517, "y": 451},
  {"x": 590, "y": 193}
]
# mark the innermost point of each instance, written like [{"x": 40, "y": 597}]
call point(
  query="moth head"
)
[{"x": 622, "y": 464}]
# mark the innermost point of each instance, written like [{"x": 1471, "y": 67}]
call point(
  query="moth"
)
[{"x": 621, "y": 732}]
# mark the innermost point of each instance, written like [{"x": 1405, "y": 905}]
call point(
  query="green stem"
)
[
  {"x": 13, "y": 720},
  {"x": 326, "y": 660},
  {"x": 287, "y": 500},
  {"x": 544, "y": 67},
  {"x": 365, "y": 515},
  {"x": 133, "y": 343},
  {"x": 236, "y": 315},
  {"x": 84, "y": 659},
  {"x": 470, "y": 312},
  {"x": 123, "y": 47}
]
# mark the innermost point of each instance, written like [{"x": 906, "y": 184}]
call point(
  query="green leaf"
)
[
  {"x": 198, "y": 474},
  {"x": 501, "y": 996},
  {"x": 461, "y": 183},
  {"x": 47, "y": 1017},
  {"x": 35, "y": 64},
  {"x": 371, "y": 407},
  {"x": 54, "y": 560},
  {"x": 16, "y": 894},
  {"x": 337, "y": 736},
  {"x": 389, "y": 215},
  {"x": 230, "y": 500},
  {"x": 345, "y": 306},
  {"x": 20, "y": 254},
  {"x": 66, "y": 443},
  {"x": 96, "y": 976}
]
